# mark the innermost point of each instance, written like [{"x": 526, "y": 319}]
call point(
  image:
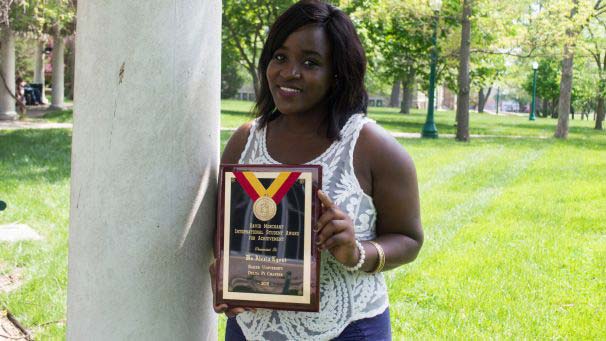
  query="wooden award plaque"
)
[{"x": 265, "y": 243}]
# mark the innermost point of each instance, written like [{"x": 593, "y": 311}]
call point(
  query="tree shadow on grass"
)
[
  {"x": 412, "y": 126},
  {"x": 31, "y": 154},
  {"x": 60, "y": 116}
]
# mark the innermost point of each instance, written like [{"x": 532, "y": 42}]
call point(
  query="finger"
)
[
  {"x": 235, "y": 311},
  {"x": 326, "y": 217},
  {"x": 219, "y": 308},
  {"x": 326, "y": 202},
  {"x": 343, "y": 238},
  {"x": 332, "y": 228}
]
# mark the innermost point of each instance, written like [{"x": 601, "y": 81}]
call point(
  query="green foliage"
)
[
  {"x": 548, "y": 83},
  {"x": 231, "y": 81},
  {"x": 245, "y": 25},
  {"x": 24, "y": 63},
  {"x": 39, "y": 17}
]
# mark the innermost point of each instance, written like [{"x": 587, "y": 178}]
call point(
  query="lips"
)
[{"x": 286, "y": 91}]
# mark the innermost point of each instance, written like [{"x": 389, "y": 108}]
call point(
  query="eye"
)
[
  {"x": 311, "y": 63},
  {"x": 279, "y": 57}
]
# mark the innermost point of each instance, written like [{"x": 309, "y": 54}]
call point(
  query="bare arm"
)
[
  {"x": 387, "y": 173},
  {"x": 236, "y": 144},
  {"x": 395, "y": 194}
]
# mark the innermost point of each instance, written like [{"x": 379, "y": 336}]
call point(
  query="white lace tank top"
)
[{"x": 344, "y": 296}]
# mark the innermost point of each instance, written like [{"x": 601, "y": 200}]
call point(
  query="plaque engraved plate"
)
[{"x": 265, "y": 242}]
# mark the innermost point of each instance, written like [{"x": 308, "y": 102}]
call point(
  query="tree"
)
[
  {"x": 548, "y": 80},
  {"x": 581, "y": 14},
  {"x": 245, "y": 24},
  {"x": 231, "y": 81},
  {"x": 566, "y": 78},
  {"x": 596, "y": 47},
  {"x": 397, "y": 39},
  {"x": 464, "y": 83}
]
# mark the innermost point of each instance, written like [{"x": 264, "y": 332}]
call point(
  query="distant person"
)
[
  {"x": 33, "y": 95},
  {"x": 20, "y": 90}
]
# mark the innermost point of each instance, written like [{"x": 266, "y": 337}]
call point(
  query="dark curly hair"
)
[{"x": 349, "y": 95}]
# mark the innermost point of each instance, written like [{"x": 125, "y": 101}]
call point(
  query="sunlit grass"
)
[{"x": 515, "y": 235}]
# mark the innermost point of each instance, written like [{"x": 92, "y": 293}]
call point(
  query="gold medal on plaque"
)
[
  {"x": 266, "y": 199},
  {"x": 265, "y": 208}
]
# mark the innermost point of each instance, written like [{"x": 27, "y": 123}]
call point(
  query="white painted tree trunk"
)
[
  {"x": 58, "y": 92},
  {"x": 39, "y": 67},
  {"x": 7, "y": 67},
  {"x": 144, "y": 169}
]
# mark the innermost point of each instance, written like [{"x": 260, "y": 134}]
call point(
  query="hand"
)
[
  {"x": 336, "y": 233},
  {"x": 224, "y": 308}
]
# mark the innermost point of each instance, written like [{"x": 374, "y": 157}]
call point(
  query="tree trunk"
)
[
  {"x": 565, "y": 93},
  {"x": 394, "y": 100},
  {"x": 58, "y": 93},
  {"x": 408, "y": 91},
  {"x": 484, "y": 98},
  {"x": 255, "y": 80},
  {"x": 600, "y": 113},
  {"x": 566, "y": 81},
  {"x": 39, "y": 68},
  {"x": 145, "y": 156},
  {"x": 70, "y": 54},
  {"x": 544, "y": 108},
  {"x": 554, "y": 108},
  {"x": 463, "y": 95},
  {"x": 7, "y": 60},
  {"x": 481, "y": 100}
]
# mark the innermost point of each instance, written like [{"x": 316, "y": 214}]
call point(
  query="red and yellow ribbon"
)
[{"x": 277, "y": 190}]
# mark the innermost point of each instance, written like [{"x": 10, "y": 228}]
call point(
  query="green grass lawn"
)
[
  {"x": 515, "y": 229},
  {"x": 234, "y": 113}
]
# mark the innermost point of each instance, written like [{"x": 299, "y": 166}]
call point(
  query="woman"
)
[{"x": 311, "y": 109}]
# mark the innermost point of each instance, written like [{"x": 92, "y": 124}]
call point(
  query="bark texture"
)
[
  {"x": 408, "y": 91},
  {"x": 483, "y": 98},
  {"x": 70, "y": 55},
  {"x": 566, "y": 80},
  {"x": 600, "y": 114},
  {"x": 463, "y": 94},
  {"x": 394, "y": 100},
  {"x": 565, "y": 93}
]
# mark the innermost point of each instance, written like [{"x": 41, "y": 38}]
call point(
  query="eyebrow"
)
[{"x": 306, "y": 52}]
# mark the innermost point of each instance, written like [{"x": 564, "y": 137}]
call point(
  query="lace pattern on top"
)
[{"x": 344, "y": 296}]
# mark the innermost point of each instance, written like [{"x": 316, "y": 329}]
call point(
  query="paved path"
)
[
  {"x": 37, "y": 123},
  {"x": 13, "y": 125},
  {"x": 34, "y": 119}
]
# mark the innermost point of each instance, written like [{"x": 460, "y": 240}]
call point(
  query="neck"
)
[{"x": 303, "y": 124}]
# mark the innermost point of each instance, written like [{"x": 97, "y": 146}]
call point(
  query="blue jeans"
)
[{"x": 376, "y": 328}]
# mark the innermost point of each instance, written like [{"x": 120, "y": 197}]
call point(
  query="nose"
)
[{"x": 290, "y": 71}]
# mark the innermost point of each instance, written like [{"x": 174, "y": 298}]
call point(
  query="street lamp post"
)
[
  {"x": 429, "y": 128},
  {"x": 535, "y": 67},
  {"x": 498, "y": 97}
]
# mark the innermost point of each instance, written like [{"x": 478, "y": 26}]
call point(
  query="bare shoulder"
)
[
  {"x": 382, "y": 151},
  {"x": 236, "y": 144}
]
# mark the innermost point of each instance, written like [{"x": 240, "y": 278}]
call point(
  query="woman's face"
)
[{"x": 300, "y": 72}]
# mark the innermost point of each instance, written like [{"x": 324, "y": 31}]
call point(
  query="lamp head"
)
[
  {"x": 535, "y": 65},
  {"x": 435, "y": 5}
]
